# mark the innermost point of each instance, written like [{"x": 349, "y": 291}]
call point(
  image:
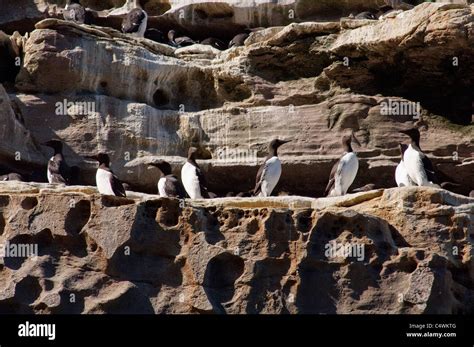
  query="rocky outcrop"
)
[
  {"x": 309, "y": 81},
  {"x": 411, "y": 253}
]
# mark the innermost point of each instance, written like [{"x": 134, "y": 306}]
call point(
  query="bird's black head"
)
[
  {"x": 413, "y": 133},
  {"x": 274, "y": 145},
  {"x": 102, "y": 158},
  {"x": 163, "y": 166},
  {"x": 54, "y": 144}
]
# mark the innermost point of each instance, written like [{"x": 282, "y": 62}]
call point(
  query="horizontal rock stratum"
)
[
  {"x": 151, "y": 100},
  {"x": 143, "y": 254}
]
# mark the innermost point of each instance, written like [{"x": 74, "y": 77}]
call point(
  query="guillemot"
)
[
  {"x": 155, "y": 35},
  {"x": 107, "y": 183},
  {"x": 216, "y": 43},
  {"x": 193, "y": 179},
  {"x": 363, "y": 15},
  {"x": 181, "y": 41},
  {"x": 74, "y": 12},
  {"x": 58, "y": 171},
  {"x": 135, "y": 21},
  {"x": 269, "y": 173},
  {"x": 13, "y": 176},
  {"x": 168, "y": 185},
  {"x": 401, "y": 174},
  {"x": 344, "y": 170},
  {"x": 239, "y": 40},
  {"x": 417, "y": 164}
]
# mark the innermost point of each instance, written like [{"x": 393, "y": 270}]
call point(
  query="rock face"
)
[
  {"x": 147, "y": 255},
  {"x": 311, "y": 82}
]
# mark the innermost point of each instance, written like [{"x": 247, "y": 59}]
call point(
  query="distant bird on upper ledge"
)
[{"x": 74, "y": 12}]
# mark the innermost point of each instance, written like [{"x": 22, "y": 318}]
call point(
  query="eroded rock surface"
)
[
  {"x": 288, "y": 81},
  {"x": 143, "y": 254}
]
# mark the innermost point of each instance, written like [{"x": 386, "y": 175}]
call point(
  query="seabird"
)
[
  {"x": 58, "y": 171},
  {"x": 364, "y": 15},
  {"x": 135, "y": 22},
  {"x": 401, "y": 174},
  {"x": 269, "y": 173},
  {"x": 12, "y": 177},
  {"x": 74, "y": 12},
  {"x": 181, "y": 41},
  {"x": 344, "y": 170},
  {"x": 155, "y": 35},
  {"x": 216, "y": 43},
  {"x": 193, "y": 179},
  {"x": 107, "y": 182},
  {"x": 418, "y": 165},
  {"x": 238, "y": 40},
  {"x": 168, "y": 185}
]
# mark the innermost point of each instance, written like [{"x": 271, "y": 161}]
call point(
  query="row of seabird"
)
[
  {"x": 414, "y": 169},
  {"x": 135, "y": 24}
]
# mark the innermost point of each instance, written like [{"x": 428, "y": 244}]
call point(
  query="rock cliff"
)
[
  {"x": 306, "y": 73},
  {"x": 309, "y": 81},
  {"x": 99, "y": 254}
]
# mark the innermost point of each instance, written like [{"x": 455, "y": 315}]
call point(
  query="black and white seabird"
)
[
  {"x": 58, "y": 171},
  {"x": 155, "y": 35},
  {"x": 12, "y": 177},
  {"x": 135, "y": 22},
  {"x": 401, "y": 174},
  {"x": 181, "y": 41},
  {"x": 216, "y": 43},
  {"x": 364, "y": 15},
  {"x": 269, "y": 173},
  {"x": 107, "y": 182},
  {"x": 168, "y": 185},
  {"x": 238, "y": 40},
  {"x": 193, "y": 179},
  {"x": 345, "y": 170},
  {"x": 74, "y": 12},
  {"x": 418, "y": 165}
]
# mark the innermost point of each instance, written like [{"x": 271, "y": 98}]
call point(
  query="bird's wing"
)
[
  {"x": 174, "y": 187},
  {"x": 202, "y": 183},
  {"x": 64, "y": 170},
  {"x": 117, "y": 186},
  {"x": 132, "y": 21},
  {"x": 332, "y": 178},
  {"x": 429, "y": 169},
  {"x": 260, "y": 177}
]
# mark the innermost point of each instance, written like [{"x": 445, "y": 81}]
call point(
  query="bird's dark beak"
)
[
  {"x": 285, "y": 141},
  {"x": 91, "y": 157}
]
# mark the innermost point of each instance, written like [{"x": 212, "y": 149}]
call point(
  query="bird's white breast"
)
[
  {"x": 401, "y": 175},
  {"x": 50, "y": 177},
  {"x": 103, "y": 180},
  {"x": 161, "y": 187},
  {"x": 191, "y": 181},
  {"x": 271, "y": 176},
  {"x": 414, "y": 165},
  {"x": 345, "y": 174}
]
